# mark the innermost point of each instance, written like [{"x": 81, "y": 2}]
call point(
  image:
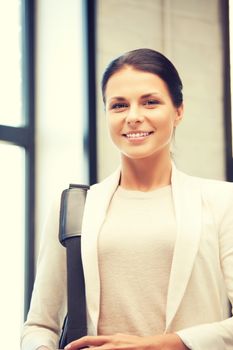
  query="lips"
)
[{"x": 138, "y": 134}]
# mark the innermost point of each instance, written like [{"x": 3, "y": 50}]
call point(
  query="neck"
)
[{"x": 144, "y": 174}]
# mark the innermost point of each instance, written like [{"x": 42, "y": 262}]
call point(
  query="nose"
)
[{"x": 134, "y": 115}]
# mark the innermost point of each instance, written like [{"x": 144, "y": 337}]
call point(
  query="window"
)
[
  {"x": 12, "y": 228},
  {"x": 10, "y": 67},
  {"x": 17, "y": 164},
  {"x": 66, "y": 125},
  {"x": 74, "y": 104}
]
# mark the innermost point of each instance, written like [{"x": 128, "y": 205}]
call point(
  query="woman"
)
[{"x": 157, "y": 244}]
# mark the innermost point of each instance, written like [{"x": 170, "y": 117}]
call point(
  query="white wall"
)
[
  {"x": 59, "y": 101},
  {"x": 189, "y": 33}
]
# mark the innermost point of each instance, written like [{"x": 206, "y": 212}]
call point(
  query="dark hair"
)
[{"x": 149, "y": 61}]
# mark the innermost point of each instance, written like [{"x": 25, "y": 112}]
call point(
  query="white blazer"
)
[
  {"x": 203, "y": 258},
  {"x": 201, "y": 274}
]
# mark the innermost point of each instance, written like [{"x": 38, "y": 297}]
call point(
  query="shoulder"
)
[
  {"x": 109, "y": 183},
  {"x": 212, "y": 186},
  {"x": 205, "y": 183},
  {"x": 217, "y": 194}
]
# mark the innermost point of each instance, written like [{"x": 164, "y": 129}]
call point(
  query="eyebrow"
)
[
  {"x": 117, "y": 98},
  {"x": 120, "y": 98},
  {"x": 151, "y": 94}
]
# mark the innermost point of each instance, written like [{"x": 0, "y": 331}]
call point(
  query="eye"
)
[
  {"x": 119, "y": 106},
  {"x": 151, "y": 103}
]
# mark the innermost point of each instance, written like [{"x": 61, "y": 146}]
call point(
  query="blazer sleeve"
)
[
  {"x": 218, "y": 335},
  {"x": 48, "y": 302}
]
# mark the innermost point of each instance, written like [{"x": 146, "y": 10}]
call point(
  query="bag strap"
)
[{"x": 71, "y": 214}]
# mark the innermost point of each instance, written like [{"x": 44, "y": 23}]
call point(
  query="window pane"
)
[
  {"x": 60, "y": 101},
  {"x": 10, "y": 62},
  {"x": 12, "y": 243}
]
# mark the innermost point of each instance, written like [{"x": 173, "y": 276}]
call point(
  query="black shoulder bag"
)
[{"x": 71, "y": 214}]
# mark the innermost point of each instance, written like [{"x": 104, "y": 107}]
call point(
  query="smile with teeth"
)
[{"x": 135, "y": 135}]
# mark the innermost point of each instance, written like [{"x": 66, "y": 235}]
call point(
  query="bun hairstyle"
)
[{"x": 151, "y": 61}]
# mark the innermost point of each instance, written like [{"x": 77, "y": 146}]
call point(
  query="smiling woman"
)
[{"x": 157, "y": 249}]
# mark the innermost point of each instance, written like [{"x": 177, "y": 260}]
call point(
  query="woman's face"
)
[{"x": 140, "y": 113}]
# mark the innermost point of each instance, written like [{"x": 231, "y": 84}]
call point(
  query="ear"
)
[{"x": 179, "y": 114}]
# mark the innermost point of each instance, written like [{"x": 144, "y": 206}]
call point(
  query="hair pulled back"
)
[{"x": 151, "y": 61}]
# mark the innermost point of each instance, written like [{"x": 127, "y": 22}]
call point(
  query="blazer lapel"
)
[
  {"x": 96, "y": 206},
  {"x": 187, "y": 203}
]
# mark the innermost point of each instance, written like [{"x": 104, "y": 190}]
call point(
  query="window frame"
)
[
  {"x": 24, "y": 136},
  {"x": 227, "y": 89},
  {"x": 90, "y": 123}
]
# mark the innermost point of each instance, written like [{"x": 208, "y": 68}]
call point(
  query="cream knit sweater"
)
[{"x": 136, "y": 246}]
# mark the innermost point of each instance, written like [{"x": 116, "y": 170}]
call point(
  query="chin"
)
[
  {"x": 150, "y": 156},
  {"x": 137, "y": 156}
]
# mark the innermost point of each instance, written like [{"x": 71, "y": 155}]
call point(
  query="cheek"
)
[
  {"x": 112, "y": 128},
  {"x": 165, "y": 126},
  {"x": 164, "y": 121},
  {"x": 114, "y": 124},
  {"x": 110, "y": 123}
]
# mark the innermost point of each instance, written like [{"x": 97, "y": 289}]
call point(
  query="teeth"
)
[{"x": 137, "y": 134}]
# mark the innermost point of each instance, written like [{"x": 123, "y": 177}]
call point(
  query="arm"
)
[
  {"x": 48, "y": 303},
  {"x": 218, "y": 335},
  {"x": 130, "y": 342}
]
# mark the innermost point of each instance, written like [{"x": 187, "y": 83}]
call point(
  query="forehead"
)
[{"x": 132, "y": 81}]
